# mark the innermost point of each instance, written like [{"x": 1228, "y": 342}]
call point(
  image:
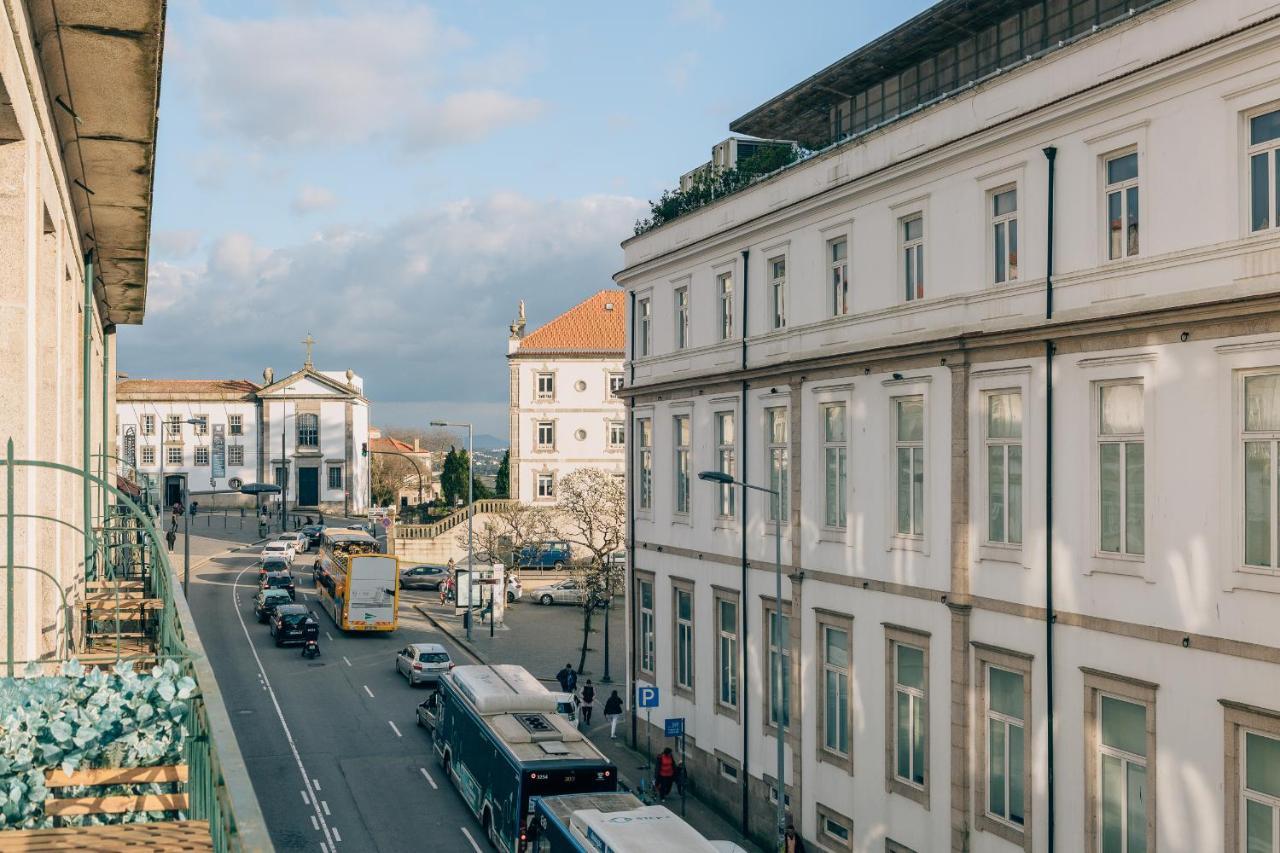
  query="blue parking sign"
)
[
  {"x": 673, "y": 726},
  {"x": 646, "y": 697}
]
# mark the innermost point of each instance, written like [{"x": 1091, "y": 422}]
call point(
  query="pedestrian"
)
[
  {"x": 563, "y": 677},
  {"x": 171, "y": 537},
  {"x": 195, "y": 505},
  {"x": 588, "y": 702},
  {"x": 613, "y": 713},
  {"x": 444, "y": 591},
  {"x": 665, "y": 773},
  {"x": 792, "y": 842}
]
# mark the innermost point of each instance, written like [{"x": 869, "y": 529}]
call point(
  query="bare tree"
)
[
  {"x": 510, "y": 529},
  {"x": 436, "y": 440},
  {"x": 391, "y": 473},
  {"x": 592, "y": 516}
]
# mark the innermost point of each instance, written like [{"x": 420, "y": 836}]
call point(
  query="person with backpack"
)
[
  {"x": 665, "y": 773},
  {"x": 171, "y": 537},
  {"x": 567, "y": 678},
  {"x": 613, "y": 713},
  {"x": 588, "y": 702}
]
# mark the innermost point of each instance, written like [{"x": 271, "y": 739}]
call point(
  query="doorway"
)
[{"x": 308, "y": 487}]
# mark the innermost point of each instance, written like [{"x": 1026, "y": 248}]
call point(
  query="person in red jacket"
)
[{"x": 665, "y": 773}]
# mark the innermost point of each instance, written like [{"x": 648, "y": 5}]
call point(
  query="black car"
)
[
  {"x": 312, "y": 532},
  {"x": 287, "y": 623},
  {"x": 423, "y": 577},
  {"x": 267, "y": 600},
  {"x": 278, "y": 580}
]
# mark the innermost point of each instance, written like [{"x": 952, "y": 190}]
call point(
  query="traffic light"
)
[{"x": 364, "y": 449}]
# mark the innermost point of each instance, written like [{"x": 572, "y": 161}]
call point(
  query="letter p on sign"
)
[{"x": 646, "y": 697}]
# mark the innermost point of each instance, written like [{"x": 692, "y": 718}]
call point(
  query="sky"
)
[{"x": 393, "y": 177}]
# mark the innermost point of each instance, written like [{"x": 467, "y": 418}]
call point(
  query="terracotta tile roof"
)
[
  {"x": 390, "y": 444},
  {"x": 179, "y": 389},
  {"x": 596, "y": 325}
]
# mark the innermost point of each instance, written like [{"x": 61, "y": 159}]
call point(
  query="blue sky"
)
[{"x": 393, "y": 176}]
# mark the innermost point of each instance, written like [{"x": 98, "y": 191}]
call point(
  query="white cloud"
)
[
  {"x": 679, "y": 69},
  {"x": 312, "y": 77},
  {"x": 703, "y": 12},
  {"x": 175, "y": 242},
  {"x": 309, "y": 199}
]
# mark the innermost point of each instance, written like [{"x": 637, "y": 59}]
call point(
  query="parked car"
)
[
  {"x": 278, "y": 549},
  {"x": 567, "y": 591},
  {"x": 296, "y": 539},
  {"x": 544, "y": 555},
  {"x": 274, "y": 564},
  {"x": 515, "y": 588},
  {"x": 278, "y": 580},
  {"x": 267, "y": 600},
  {"x": 566, "y": 707},
  {"x": 423, "y": 577},
  {"x": 423, "y": 663},
  {"x": 287, "y": 622}
]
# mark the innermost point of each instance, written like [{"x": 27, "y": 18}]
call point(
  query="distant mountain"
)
[{"x": 490, "y": 442}]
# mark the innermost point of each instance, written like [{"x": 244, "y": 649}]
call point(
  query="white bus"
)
[{"x": 611, "y": 823}]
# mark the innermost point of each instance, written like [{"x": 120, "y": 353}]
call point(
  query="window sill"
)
[
  {"x": 834, "y": 535},
  {"x": 728, "y": 525},
  {"x": 840, "y": 762},
  {"x": 920, "y": 795},
  {"x": 682, "y": 520},
  {"x": 728, "y": 711},
  {"x": 903, "y": 542},
  {"x": 998, "y": 553},
  {"x": 1001, "y": 829},
  {"x": 1119, "y": 564},
  {"x": 685, "y": 693},
  {"x": 1254, "y": 578}
]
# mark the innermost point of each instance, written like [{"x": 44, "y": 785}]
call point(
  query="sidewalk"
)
[{"x": 542, "y": 639}]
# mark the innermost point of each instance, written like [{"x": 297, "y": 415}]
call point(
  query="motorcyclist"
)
[{"x": 310, "y": 638}]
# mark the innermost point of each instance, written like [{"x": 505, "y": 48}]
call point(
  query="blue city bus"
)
[
  {"x": 501, "y": 742},
  {"x": 610, "y": 823}
]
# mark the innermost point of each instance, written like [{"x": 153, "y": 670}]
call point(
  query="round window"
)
[
  {"x": 580, "y": 385},
  {"x": 581, "y": 435}
]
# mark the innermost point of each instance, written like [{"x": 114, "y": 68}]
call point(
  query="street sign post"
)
[
  {"x": 673, "y": 726},
  {"x": 647, "y": 698}
]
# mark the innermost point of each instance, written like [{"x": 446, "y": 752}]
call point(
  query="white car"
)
[
  {"x": 515, "y": 589},
  {"x": 566, "y": 707},
  {"x": 278, "y": 549},
  {"x": 298, "y": 541}
]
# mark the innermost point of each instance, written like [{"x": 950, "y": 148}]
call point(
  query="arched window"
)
[{"x": 308, "y": 430}]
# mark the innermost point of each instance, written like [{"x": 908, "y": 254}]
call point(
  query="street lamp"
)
[
  {"x": 723, "y": 479},
  {"x": 471, "y": 510}
]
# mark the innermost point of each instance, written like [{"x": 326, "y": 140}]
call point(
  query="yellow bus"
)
[{"x": 357, "y": 586}]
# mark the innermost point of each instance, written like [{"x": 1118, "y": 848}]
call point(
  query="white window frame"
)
[
  {"x": 616, "y": 383},
  {"x": 148, "y": 424},
  {"x": 842, "y": 838},
  {"x": 173, "y": 427},
  {"x": 1272, "y": 438},
  {"x": 726, "y": 460},
  {"x": 145, "y": 451},
  {"x": 617, "y": 434},
  {"x": 842, "y": 623},
  {"x": 681, "y": 463},
  {"x": 547, "y": 478},
  {"x": 1126, "y": 759},
  {"x": 547, "y": 429},
  {"x": 647, "y": 624},
  {"x": 1121, "y": 187},
  {"x": 683, "y": 649},
  {"x": 1123, "y": 440},
  {"x": 644, "y": 325},
  {"x": 201, "y": 427},
  {"x": 903, "y": 444},
  {"x": 911, "y": 258},
  {"x": 1004, "y": 226},
  {"x": 896, "y": 637},
  {"x": 777, "y": 464},
  {"x": 171, "y": 452},
  {"x": 680, "y": 298},
  {"x": 1007, "y": 721},
  {"x": 1248, "y": 795},
  {"x": 724, "y": 296},
  {"x": 727, "y": 653},
  {"x": 235, "y": 424},
  {"x": 840, "y": 447},
  {"x": 1241, "y": 721},
  {"x": 988, "y": 444},
  {"x": 544, "y": 385},
  {"x": 838, "y": 276},
  {"x": 987, "y": 658},
  {"x": 235, "y": 454},
  {"x": 1098, "y": 684},
  {"x": 769, "y": 720},
  {"x": 1271, "y": 149},
  {"x": 776, "y": 267},
  {"x": 334, "y": 469},
  {"x": 644, "y": 464}
]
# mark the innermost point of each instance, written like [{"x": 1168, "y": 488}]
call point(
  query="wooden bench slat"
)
[
  {"x": 189, "y": 835},
  {"x": 116, "y": 804},
  {"x": 118, "y": 775}
]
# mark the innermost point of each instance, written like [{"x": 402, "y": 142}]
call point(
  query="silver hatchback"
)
[{"x": 423, "y": 663}]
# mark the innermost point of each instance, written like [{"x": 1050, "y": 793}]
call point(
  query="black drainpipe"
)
[
  {"x": 742, "y": 525},
  {"x": 631, "y": 529},
  {"x": 633, "y": 338},
  {"x": 1051, "y": 153}
]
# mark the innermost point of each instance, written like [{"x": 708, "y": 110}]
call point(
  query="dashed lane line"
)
[
  {"x": 427, "y": 776},
  {"x": 472, "y": 840},
  {"x": 394, "y": 729},
  {"x": 367, "y": 690}
]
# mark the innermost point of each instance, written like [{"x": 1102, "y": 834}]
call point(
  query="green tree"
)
[
  {"x": 502, "y": 483},
  {"x": 480, "y": 491},
  {"x": 453, "y": 479}
]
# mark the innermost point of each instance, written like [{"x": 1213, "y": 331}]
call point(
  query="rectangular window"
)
[
  {"x": 1261, "y": 440},
  {"x": 1004, "y": 233},
  {"x": 1003, "y": 438},
  {"x": 173, "y": 456},
  {"x": 778, "y": 291},
  {"x": 778, "y": 459},
  {"x": 1121, "y": 469},
  {"x": 645, "y": 332},
  {"x": 682, "y": 317},
  {"x": 726, "y": 461},
  {"x": 335, "y": 476},
  {"x": 235, "y": 424},
  {"x": 235, "y": 454},
  {"x": 644, "y": 462},
  {"x": 1261, "y": 793},
  {"x": 909, "y": 721},
  {"x": 617, "y": 433},
  {"x": 201, "y": 456},
  {"x": 684, "y": 638},
  {"x": 1006, "y": 732},
  {"x": 1122, "y": 792},
  {"x": 615, "y": 383},
  {"x": 681, "y": 447},
  {"x": 724, "y": 288},
  {"x": 148, "y": 424},
  {"x": 727, "y": 652},
  {"x": 909, "y": 453},
  {"x": 308, "y": 430},
  {"x": 836, "y": 666},
  {"x": 148, "y": 454},
  {"x": 1264, "y": 171},
  {"x": 201, "y": 425},
  {"x": 646, "y": 623},
  {"x": 173, "y": 426},
  {"x": 837, "y": 257},
  {"x": 913, "y": 258},
  {"x": 546, "y": 435},
  {"x": 835, "y": 452},
  {"x": 546, "y": 485},
  {"x": 779, "y": 698},
  {"x": 728, "y": 770},
  {"x": 835, "y": 830},
  {"x": 546, "y": 386},
  {"x": 1122, "y": 205}
]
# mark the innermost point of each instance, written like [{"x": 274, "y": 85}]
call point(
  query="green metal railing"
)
[{"x": 126, "y": 546}]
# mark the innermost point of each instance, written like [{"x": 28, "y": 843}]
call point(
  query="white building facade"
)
[
  {"x": 1028, "y": 475},
  {"x": 564, "y": 410},
  {"x": 309, "y": 431}
]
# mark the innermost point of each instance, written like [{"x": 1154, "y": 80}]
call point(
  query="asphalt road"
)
[{"x": 332, "y": 745}]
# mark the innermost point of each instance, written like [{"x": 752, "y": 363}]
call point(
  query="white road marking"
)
[
  {"x": 315, "y": 783},
  {"x": 266, "y": 685},
  {"x": 316, "y": 823},
  {"x": 394, "y": 729},
  {"x": 325, "y": 805},
  {"x": 367, "y": 690},
  {"x": 329, "y": 636},
  {"x": 427, "y": 776},
  {"x": 305, "y": 798},
  {"x": 344, "y": 657},
  {"x": 336, "y": 836},
  {"x": 472, "y": 840}
]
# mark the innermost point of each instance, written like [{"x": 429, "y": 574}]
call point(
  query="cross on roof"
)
[{"x": 308, "y": 342}]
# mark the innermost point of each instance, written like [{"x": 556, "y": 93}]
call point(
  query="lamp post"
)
[
  {"x": 723, "y": 479},
  {"x": 471, "y": 510}
]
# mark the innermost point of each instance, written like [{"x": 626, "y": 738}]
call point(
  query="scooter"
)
[{"x": 310, "y": 649}]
